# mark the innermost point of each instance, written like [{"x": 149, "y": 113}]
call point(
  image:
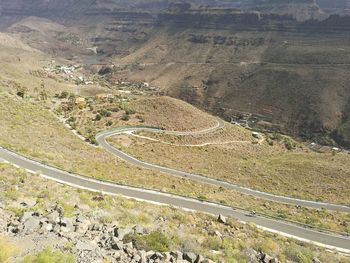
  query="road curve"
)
[
  {"x": 101, "y": 139},
  {"x": 336, "y": 242}
]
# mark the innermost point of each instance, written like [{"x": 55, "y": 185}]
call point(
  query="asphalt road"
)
[
  {"x": 101, "y": 139},
  {"x": 340, "y": 243}
]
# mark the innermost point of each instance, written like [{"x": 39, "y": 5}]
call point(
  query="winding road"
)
[
  {"x": 101, "y": 139},
  {"x": 324, "y": 239}
]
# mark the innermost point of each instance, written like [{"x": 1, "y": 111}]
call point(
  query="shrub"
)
[
  {"x": 125, "y": 117},
  {"x": 269, "y": 246},
  {"x": 155, "y": 241},
  {"x": 50, "y": 256},
  {"x": 64, "y": 95},
  {"x": 98, "y": 117},
  {"x": 129, "y": 111},
  {"x": 299, "y": 254},
  {"x": 289, "y": 144},
  {"x": 104, "y": 113}
]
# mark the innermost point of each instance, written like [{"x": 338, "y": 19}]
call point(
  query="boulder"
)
[
  {"x": 222, "y": 219},
  {"x": 32, "y": 224},
  {"x": 200, "y": 259},
  {"x": 139, "y": 230},
  {"x": 53, "y": 217},
  {"x": 143, "y": 256},
  {"x": 67, "y": 225},
  {"x": 121, "y": 233},
  {"x": 177, "y": 254},
  {"x": 116, "y": 244},
  {"x": 25, "y": 216},
  {"x": 136, "y": 258},
  {"x": 190, "y": 257}
]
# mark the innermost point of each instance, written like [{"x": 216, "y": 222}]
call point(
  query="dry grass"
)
[
  {"x": 7, "y": 249},
  {"x": 300, "y": 173},
  {"x": 34, "y": 132},
  {"x": 172, "y": 114}
]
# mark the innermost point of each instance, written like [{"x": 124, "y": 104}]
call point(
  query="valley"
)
[{"x": 227, "y": 120}]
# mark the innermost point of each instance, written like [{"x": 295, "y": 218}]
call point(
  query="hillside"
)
[{"x": 64, "y": 79}]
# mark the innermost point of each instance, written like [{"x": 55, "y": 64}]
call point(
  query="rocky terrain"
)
[{"x": 91, "y": 240}]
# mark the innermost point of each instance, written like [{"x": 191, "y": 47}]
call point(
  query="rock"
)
[
  {"x": 149, "y": 254},
  {"x": 265, "y": 258},
  {"x": 218, "y": 234},
  {"x": 157, "y": 255},
  {"x": 177, "y": 254},
  {"x": 54, "y": 217},
  {"x": 116, "y": 244},
  {"x": 251, "y": 255},
  {"x": 143, "y": 256},
  {"x": 190, "y": 257},
  {"x": 80, "y": 219},
  {"x": 136, "y": 258},
  {"x": 139, "y": 230},
  {"x": 25, "y": 216},
  {"x": 59, "y": 209},
  {"x": 67, "y": 225},
  {"x": 82, "y": 227},
  {"x": 268, "y": 259},
  {"x": 129, "y": 248},
  {"x": 46, "y": 227},
  {"x": 32, "y": 224},
  {"x": 222, "y": 219},
  {"x": 121, "y": 233},
  {"x": 84, "y": 246},
  {"x": 94, "y": 227},
  {"x": 316, "y": 260},
  {"x": 28, "y": 203},
  {"x": 105, "y": 70},
  {"x": 200, "y": 259}
]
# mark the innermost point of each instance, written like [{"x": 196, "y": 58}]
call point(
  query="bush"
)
[
  {"x": 64, "y": 95},
  {"x": 155, "y": 241},
  {"x": 299, "y": 254},
  {"x": 104, "y": 113},
  {"x": 50, "y": 256},
  {"x": 289, "y": 144},
  {"x": 125, "y": 117},
  {"x": 129, "y": 111},
  {"x": 98, "y": 117}
]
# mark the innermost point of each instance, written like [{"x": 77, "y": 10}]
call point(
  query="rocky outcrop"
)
[{"x": 92, "y": 241}]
